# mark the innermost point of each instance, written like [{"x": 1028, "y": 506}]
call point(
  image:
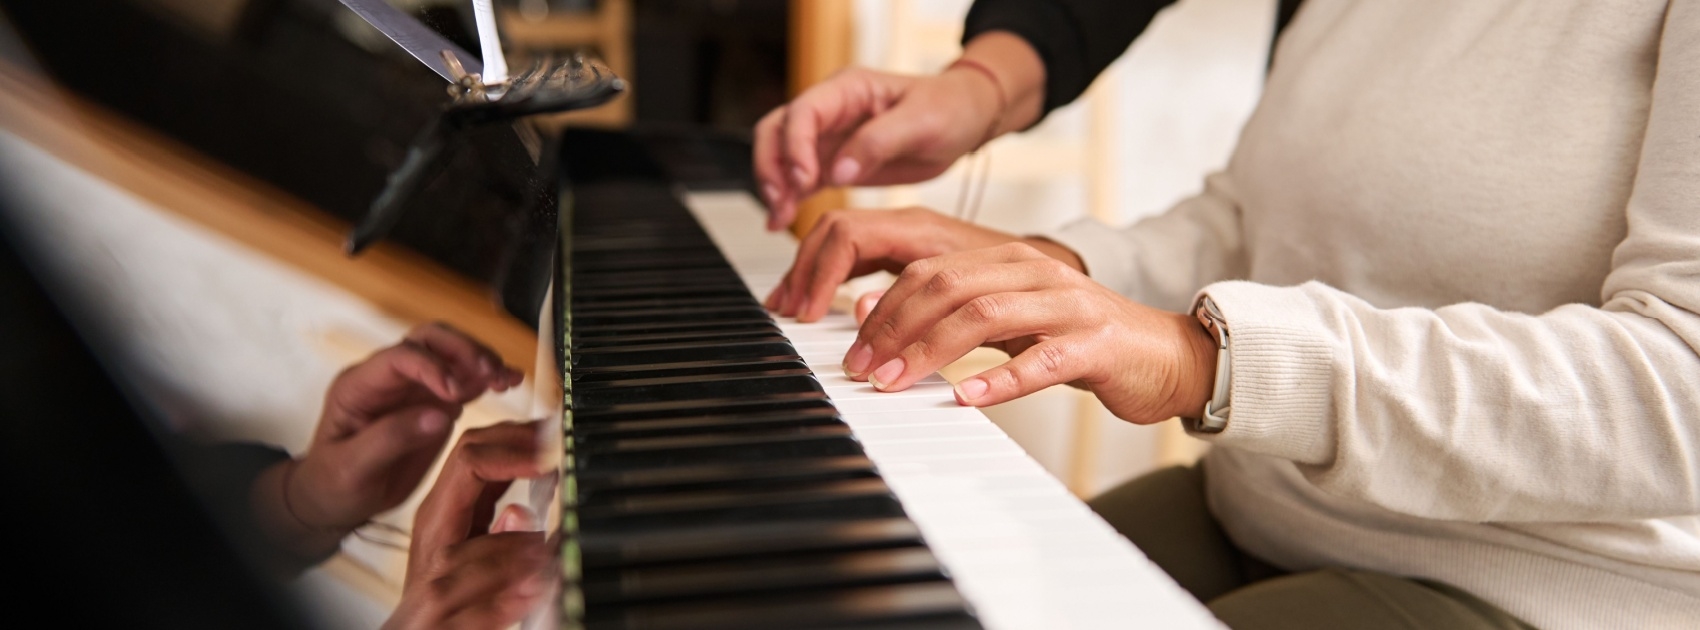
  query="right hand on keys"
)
[{"x": 853, "y": 243}]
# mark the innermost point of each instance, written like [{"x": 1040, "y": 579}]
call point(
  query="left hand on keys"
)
[{"x": 1057, "y": 325}]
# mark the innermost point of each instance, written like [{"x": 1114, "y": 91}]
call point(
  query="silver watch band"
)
[{"x": 1216, "y": 410}]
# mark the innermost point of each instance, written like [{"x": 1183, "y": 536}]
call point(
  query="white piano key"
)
[{"x": 1019, "y": 546}]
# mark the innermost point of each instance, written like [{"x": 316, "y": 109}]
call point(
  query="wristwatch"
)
[{"x": 1216, "y": 410}]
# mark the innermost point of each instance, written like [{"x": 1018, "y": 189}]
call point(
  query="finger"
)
[
  {"x": 770, "y": 170},
  {"x": 865, "y": 304},
  {"x": 515, "y": 518},
  {"x": 908, "y": 130},
  {"x": 491, "y": 455},
  {"x": 474, "y": 365},
  {"x": 1050, "y": 362},
  {"x": 491, "y": 567},
  {"x": 885, "y": 333},
  {"x": 374, "y": 452},
  {"x": 789, "y": 295},
  {"x": 991, "y": 317},
  {"x": 818, "y": 120},
  {"x": 916, "y": 276},
  {"x": 417, "y": 365},
  {"x": 838, "y": 255}
]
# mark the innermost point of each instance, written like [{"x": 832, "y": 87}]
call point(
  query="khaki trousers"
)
[{"x": 1164, "y": 513}]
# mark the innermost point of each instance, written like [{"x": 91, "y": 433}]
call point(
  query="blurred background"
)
[{"x": 188, "y": 170}]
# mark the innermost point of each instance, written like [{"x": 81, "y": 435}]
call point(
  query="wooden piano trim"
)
[{"x": 179, "y": 180}]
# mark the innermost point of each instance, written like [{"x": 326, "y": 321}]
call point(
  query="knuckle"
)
[
  {"x": 1051, "y": 358},
  {"x": 917, "y": 271},
  {"x": 887, "y": 331},
  {"x": 1020, "y": 250},
  {"x": 1051, "y": 266},
  {"x": 982, "y": 310},
  {"x": 946, "y": 283}
]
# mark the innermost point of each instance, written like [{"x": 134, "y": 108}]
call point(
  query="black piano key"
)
[
  {"x": 675, "y": 407},
  {"x": 698, "y": 423},
  {"x": 848, "y": 506},
  {"x": 706, "y": 370},
  {"x": 694, "y": 409},
  {"x": 730, "y": 453},
  {"x": 732, "y": 499},
  {"x": 668, "y": 302},
  {"x": 773, "y": 574},
  {"x": 597, "y": 332},
  {"x": 590, "y": 486},
  {"x": 694, "y": 388},
  {"x": 919, "y": 601},
  {"x": 663, "y": 354},
  {"x": 688, "y": 542},
  {"x": 650, "y": 315}
]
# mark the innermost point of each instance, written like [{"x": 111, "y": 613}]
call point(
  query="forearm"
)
[
  {"x": 1467, "y": 412},
  {"x": 1074, "y": 40}
]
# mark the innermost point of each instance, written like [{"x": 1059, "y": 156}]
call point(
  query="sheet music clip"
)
[{"x": 546, "y": 86}]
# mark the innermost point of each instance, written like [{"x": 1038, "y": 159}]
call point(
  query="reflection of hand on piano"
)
[
  {"x": 384, "y": 422},
  {"x": 852, "y": 243},
  {"x": 462, "y": 571}
]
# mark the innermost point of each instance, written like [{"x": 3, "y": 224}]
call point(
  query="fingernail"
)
[
  {"x": 803, "y": 307},
  {"x": 771, "y": 192},
  {"x": 452, "y": 387},
  {"x": 800, "y": 177},
  {"x": 970, "y": 390},
  {"x": 844, "y": 173},
  {"x": 887, "y": 373},
  {"x": 486, "y": 367},
  {"x": 433, "y": 422},
  {"x": 857, "y": 360}
]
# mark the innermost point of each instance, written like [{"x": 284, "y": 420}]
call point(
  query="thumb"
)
[{"x": 381, "y": 445}]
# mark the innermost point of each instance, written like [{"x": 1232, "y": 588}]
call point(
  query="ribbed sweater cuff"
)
[
  {"x": 1283, "y": 370},
  {"x": 1102, "y": 249}
]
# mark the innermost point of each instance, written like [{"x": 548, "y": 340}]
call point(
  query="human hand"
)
[
  {"x": 852, "y": 243},
  {"x": 384, "y": 422},
  {"x": 462, "y": 571},
  {"x": 866, "y": 127},
  {"x": 1058, "y": 326}
]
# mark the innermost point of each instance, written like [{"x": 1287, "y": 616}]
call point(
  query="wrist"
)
[
  {"x": 1202, "y": 346},
  {"x": 1020, "y": 73}
]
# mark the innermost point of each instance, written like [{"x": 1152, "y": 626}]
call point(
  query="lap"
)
[{"x": 1164, "y": 513}]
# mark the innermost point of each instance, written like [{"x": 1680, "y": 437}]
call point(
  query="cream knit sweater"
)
[{"x": 1458, "y": 248}]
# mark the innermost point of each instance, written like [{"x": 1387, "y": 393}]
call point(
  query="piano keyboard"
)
[{"x": 725, "y": 474}]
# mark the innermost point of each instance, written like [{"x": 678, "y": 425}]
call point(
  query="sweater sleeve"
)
[
  {"x": 1076, "y": 39},
  {"x": 1470, "y": 413},
  {"x": 1161, "y": 261}
]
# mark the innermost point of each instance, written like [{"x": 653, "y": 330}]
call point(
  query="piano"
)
[{"x": 721, "y": 472}]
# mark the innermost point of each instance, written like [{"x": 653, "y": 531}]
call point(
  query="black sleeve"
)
[{"x": 1076, "y": 39}]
